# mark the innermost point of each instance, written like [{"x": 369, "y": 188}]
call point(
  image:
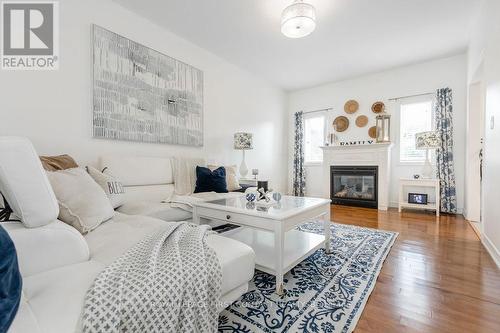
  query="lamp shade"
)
[
  {"x": 427, "y": 140},
  {"x": 298, "y": 20},
  {"x": 243, "y": 141}
]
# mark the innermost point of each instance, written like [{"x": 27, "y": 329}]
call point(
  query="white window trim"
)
[{"x": 316, "y": 115}]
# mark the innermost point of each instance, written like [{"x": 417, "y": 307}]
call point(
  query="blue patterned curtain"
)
[
  {"x": 299, "y": 172},
  {"x": 444, "y": 154}
]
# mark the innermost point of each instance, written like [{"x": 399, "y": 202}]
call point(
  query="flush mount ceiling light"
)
[{"x": 298, "y": 20}]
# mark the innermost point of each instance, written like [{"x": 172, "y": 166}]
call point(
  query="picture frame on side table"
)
[{"x": 417, "y": 198}]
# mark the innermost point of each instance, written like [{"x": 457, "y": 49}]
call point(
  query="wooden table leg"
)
[{"x": 279, "y": 246}]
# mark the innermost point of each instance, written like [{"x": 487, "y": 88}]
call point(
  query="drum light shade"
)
[
  {"x": 243, "y": 141},
  {"x": 298, "y": 20}
]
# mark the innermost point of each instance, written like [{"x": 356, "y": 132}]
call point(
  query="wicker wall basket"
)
[
  {"x": 378, "y": 107},
  {"x": 361, "y": 121},
  {"x": 351, "y": 106},
  {"x": 341, "y": 123}
]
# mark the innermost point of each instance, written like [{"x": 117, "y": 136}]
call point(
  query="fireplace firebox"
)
[{"x": 354, "y": 185}]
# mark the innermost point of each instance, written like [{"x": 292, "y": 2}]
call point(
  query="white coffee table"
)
[{"x": 270, "y": 231}]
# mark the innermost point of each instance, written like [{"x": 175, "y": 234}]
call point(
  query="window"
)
[
  {"x": 314, "y": 138},
  {"x": 414, "y": 118}
]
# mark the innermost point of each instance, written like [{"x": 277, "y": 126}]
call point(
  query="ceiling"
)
[{"x": 352, "y": 37}]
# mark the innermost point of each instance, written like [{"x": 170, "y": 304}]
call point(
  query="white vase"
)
[
  {"x": 243, "y": 166},
  {"x": 427, "y": 170}
]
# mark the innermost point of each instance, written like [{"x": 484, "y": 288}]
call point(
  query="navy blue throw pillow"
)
[
  {"x": 210, "y": 181},
  {"x": 10, "y": 281}
]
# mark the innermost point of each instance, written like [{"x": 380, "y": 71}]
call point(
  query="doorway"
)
[{"x": 474, "y": 149}]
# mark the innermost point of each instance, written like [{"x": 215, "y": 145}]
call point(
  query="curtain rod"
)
[
  {"x": 416, "y": 95},
  {"x": 320, "y": 110}
]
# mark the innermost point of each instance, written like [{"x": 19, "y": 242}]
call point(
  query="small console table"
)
[{"x": 426, "y": 183}]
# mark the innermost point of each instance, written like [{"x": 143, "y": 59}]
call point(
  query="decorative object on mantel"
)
[
  {"x": 383, "y": 127},
  {"x": 243, "y": 141},
  {"x": 427, "y": 141},
  {"x": 332, "y": 137},
  {"x": 332, "y": 140},
  {"x": 255, "y": 173},
  {"x": 277, "y": 196},
  {"x": 378, "y": 107},
  {"x": 372, "y": 132},
  {"x": 356, "y": 143},
  {"x": 140, "y": 94},
  {"x": 361, "y": 121},
  {"x": 341, "y": 123},
  {"x": 416, "y": 176},
  {"x": 351, "y": 106}
]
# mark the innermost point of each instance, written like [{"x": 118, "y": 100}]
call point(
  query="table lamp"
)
[
  {"x": 243, "y": 141},
  {"x": 427, "y": 141}
]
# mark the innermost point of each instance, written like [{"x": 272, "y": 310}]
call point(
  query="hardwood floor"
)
[{"x": 437, "y": 277}]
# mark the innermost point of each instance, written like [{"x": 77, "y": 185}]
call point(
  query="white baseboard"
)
[{"x": 491, "y": 248}]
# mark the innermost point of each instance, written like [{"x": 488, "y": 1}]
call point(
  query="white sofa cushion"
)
[
  {"x": 116, "y": 236},
  {"x": 82, "y": 202},
  {"x": 53, "y": 245},
  {"x": 151, "y": 193},
  {"x": 237, "y": 261},
  {"x": 24, "y": 184},
  {"x": 159, "y": 210},
  {"x": 53, "y": 300},
  {"x": 113, "y": 188},
  {"x": 134, "y": 171}
]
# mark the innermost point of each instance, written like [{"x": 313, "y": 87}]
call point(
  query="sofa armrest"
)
[{"x": 44, "y": 248}]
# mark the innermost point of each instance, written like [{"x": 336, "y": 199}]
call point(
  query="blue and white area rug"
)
[{"x": 324, "y": 293}]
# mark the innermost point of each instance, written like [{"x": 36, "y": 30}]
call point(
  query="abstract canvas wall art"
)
[{"x": 143, "y": 95}]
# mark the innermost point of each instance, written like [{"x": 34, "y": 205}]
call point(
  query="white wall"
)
[
  {"x": 484, "y": 50},
  {"x": 415, "y": 79},
  {"x": 54, "y": 108}
]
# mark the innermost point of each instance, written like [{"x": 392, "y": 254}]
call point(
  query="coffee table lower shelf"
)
[{"x": 298, "y": 245}]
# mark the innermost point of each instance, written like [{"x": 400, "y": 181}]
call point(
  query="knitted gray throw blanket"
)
[{"x": 169, "y": 282}]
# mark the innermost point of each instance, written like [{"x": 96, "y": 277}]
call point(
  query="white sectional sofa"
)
[
  {"x": 58, "y": 264},
  {"x": 147, "y": 181}
]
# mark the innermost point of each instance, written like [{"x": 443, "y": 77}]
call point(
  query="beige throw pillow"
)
[
  {"x": 82, "y": 202},
  {"x": 61, "y": 162},
  {"x": 112, "y": 187},
  {"x": 231, "y": 176}
]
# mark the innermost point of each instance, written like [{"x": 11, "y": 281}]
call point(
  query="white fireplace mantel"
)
[
  {"x": 376, "y": 154},
  {"x": 371, "y": 147}
]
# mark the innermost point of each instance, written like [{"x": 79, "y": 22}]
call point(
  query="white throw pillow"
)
[
  {"x": 231, "y": 176},
  {"x": 82, "y": 202},
  {"x": 112, "y": 187},
  {"x": 24, "y": 184}
]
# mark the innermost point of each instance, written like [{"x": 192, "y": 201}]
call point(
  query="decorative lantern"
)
[{"x": 384, "y": 127}]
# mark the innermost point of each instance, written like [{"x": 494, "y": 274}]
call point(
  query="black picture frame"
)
[{"x": 417, "y": 198}]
